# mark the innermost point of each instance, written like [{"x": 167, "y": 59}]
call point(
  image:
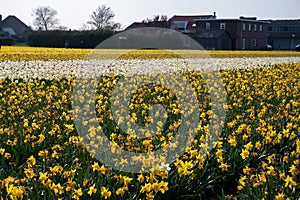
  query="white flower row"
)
[{"x": 94, "y": 68}]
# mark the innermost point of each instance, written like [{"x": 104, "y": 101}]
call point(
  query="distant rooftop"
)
[
  {"x": 191, "y": 17},
  {"x": 242, "y": 18},
  {"x": 289, "y": 22},
  {"x": 14, "y": 26},
  {"x": 10, "y": 18}
]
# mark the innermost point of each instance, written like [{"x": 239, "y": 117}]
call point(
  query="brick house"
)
[
  {"x": 212, "y": 33},
  {"x": 284, "y": 34},
  {"x": 245, "y": 33}
]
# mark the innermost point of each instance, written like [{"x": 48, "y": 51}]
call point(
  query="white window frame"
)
[
  {"x": 244, "y": 26},
  {"x": 255, "y": 43},
  {"x": 243, "y": 43},
  {"x": 207, "y": 26},
  {"x": 222, "y": 26},
  {"x": 261, "y": 28},
  {"x": 255, "y": 27}
]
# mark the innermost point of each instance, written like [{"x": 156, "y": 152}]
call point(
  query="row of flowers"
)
[
  {"x": 28, "y": 70},
  {"x": 15, "y": 53}
]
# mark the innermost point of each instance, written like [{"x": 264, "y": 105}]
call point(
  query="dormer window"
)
[{"x": 181, "y": 25}]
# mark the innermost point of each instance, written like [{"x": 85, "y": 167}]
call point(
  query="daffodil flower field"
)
[{"x": 43, "y": 156}]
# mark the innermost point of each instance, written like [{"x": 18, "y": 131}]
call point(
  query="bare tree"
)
[
  {"x": 62, "y": 28},
  {"x": 85, "y": 27},
  {"x": 163, "y": 18},
  {"x": 45, "y": 17},
  {"x": 148, "y": 20},
  {"x": 102, "y": 19},
  {"x": 156, "y": 18}
]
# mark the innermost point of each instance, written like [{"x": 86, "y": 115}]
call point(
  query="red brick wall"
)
[{"x": 234, "y": 28}]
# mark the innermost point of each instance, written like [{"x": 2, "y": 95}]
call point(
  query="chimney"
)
[{"x": 215, "y": 15}]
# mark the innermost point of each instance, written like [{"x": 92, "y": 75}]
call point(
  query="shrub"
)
[
  {"x": 8, "y": 41},
  {"x": 75, "y": 39}
]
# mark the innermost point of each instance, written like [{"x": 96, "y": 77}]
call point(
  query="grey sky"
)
[{"x": 74, "y": 13}]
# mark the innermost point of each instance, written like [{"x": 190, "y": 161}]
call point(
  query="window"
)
[
  {"x": 207, "y": 26},
  {"x": 294, "y": 28},
  {"x": 249, "y": 27},
  {"x": 222, "y": 26},
  {"x": 244, "y": 43},
  {"x": 277, "y": 29},
  {"x": 244, "y": 26},
  {"x": 254, "y": 42},
  {"x": 255, "y": 27},
  {"x": 181, "y": 25},
  {"x": 271, "y": 28},
  {"x": 260, "y": 28}
]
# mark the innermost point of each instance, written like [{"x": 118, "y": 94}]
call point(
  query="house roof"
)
[
  {"x": 136, "y": 25},
  {"x": 16, "y": 24},
  {"x": 189, "y": 18},
  {"x": 162, "y": 24}
]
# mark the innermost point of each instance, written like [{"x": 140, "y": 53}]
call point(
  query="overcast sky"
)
[{"x": 74, "y": 13}]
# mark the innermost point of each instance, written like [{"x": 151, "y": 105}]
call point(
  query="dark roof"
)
[
  {"x": 16, "y": 24},
  {"x": 135, "y": 25},
  {"x": 162, "y": 24},
  {"x": 189, "y": 18}
]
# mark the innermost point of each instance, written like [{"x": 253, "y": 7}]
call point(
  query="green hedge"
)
[
  {"x": 75, "y": 39},
  {"x": 8, "y": 41}
]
